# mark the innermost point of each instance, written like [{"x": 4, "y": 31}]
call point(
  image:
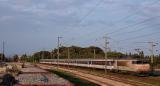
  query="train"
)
[{"x": 131, "y": 65}]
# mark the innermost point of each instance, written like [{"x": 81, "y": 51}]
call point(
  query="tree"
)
[
  {"x": 15, "y": 58},
  {"x": 2, "y": 56},
  {"x": 115, "y": 55},
  {"x": 88, "y": 52},
  {"x": 24, "y": 58},
  {"x": 141, "y": 54},
  {"x": 41, "y": 55},
  {"x": 76, "y": 52}
]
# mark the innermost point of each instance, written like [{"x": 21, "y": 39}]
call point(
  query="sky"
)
[{"x": 28, "y": 26}]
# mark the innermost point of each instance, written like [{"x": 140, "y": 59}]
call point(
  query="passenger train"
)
[{"x": 131, "y": 65}]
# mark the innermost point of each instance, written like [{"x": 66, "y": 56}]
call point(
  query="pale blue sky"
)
[{"x": 28, "y": 26}]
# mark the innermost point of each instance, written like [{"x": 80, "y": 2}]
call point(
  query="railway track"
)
[
  {"x": 103, "y": 81},
  {"x": 88, "y": 77},
  {"x": 124, "y": 80}
]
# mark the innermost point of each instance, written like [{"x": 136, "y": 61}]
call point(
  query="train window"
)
[
  {"x": 145, "y": 62},
  {"x": 139, "y": 62}
]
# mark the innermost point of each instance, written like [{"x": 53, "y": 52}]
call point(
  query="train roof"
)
[{"x": 94, "y": 59}]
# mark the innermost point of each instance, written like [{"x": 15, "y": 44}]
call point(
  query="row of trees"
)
[
  {"x": 79, "y": 53},
  {"x": 75, "y": 53},
  {"x": 2, "y": 56}
]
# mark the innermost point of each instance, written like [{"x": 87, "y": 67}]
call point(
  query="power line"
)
[
  {"x": 124, "y": 18},
  {"x": 137, "y": 11},
  {"x": 130, "y": 16},
  {"x": 90, "y": 11},
  {"x": 155, "y": 2},
  {"x": 128, "y": 26},
  {"x": 136, "y": 30},
  {"x": 140, "y": 36},
  {"x": 138, "y": 23}
]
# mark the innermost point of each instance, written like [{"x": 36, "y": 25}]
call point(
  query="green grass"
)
[
  {"x": 153, "y": 80},
  {"x": 73, "y": 79}
]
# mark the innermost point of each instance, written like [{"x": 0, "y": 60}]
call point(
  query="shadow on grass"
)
[
  {"x": 73, "y": 79},
  {"x": 7, "y": 80},
  {"x": 155, "y": 73}
]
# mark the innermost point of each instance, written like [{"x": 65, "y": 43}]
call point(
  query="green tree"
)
[
  {"x": 2, "y": 56},
  {"x": 88, "y": 52},
  {"x": 41, "y": 55},
  {"x": 15, "y": 58},
  {"x": 24, "y": 58}
]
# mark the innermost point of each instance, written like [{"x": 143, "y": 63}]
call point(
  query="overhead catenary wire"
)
[
  {"x": 137, "y": 11},
  {"x": 155, "y": 2},
  {"x": 132, "y": 25},
  {"x": 90, "y": 11},
  {"x": 137, "y": 30},
  {"x": 86, "y": 15},
  {"x": 115, "y": 22},
  {"x": 140, "y": 36},
  {"x": 126, "y": 27}
]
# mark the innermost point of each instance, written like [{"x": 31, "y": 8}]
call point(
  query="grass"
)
[
  {"x": 73, "y": 79},
  {"x": 154, "y": 80},
  {"x": 150, "y": 79}
]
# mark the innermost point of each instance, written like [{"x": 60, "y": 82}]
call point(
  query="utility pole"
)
[
  {"x": 3, "y": 51},
  {"x": 152, "y": 51},
  {"x": 94, "y": 53},
  {"x": 152, "y": 45},
  {"x": 139, "y": 51},
  {"x": 68, "y": 56},
  {"x": 68, "y": 53},
  {"x": 43, "y": 51},
  {"x": 58, "y": 50},
  {"x": 94, "y": 50},
  {"x": 106, "y": 50}
]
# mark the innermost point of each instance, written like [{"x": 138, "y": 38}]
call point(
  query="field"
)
[
  {"x": 148, "y": 79},
  {"x": 73, "y": 79}
]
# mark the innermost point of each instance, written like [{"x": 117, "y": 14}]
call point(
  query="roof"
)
[{"x": 90, "y": 59}]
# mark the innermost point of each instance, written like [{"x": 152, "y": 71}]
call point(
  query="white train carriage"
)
[{"x": 111, "y": 64}]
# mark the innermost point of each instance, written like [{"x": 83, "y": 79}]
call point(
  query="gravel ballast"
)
[
  {"x": 34, "y": 76},
  {"x": 41, "y": 79}
]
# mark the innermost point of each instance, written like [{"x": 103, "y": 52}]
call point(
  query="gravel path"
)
[
  {"x": 41, "y": 79},
  {"x": 32, "y": 76},
  {"x": 33, "y": 70}
]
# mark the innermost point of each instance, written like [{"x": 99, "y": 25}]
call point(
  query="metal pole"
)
[
  {"x": 106, "y": 46},
  {"x": 152, "y": 57},
  {"x": 58, "y": 51},
  {"x": 105, "y": 55},
  {"x": 94, "y": 53},
  {"x": 152, "y": 52},
  {"x": 58, "y": 54},
  {"x": 43, "y": 56},
  {"x": 68, "y": 56},
  {"x": 153, "y": 44},
  {"x": 3, "y": 51}
]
